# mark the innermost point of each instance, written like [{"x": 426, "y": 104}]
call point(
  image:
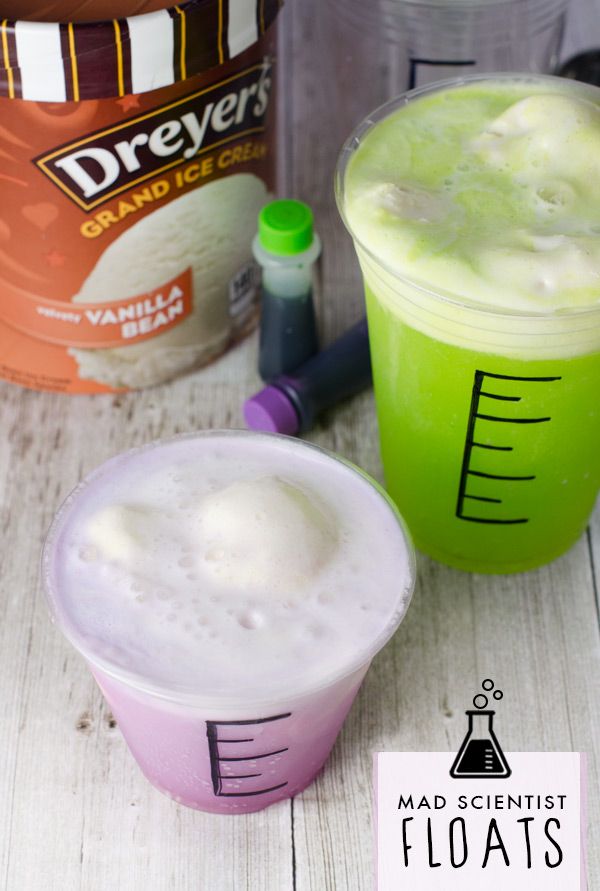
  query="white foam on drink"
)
[
  {"x": 233, "y": 564},
  {"x": 474, "y": 213}
]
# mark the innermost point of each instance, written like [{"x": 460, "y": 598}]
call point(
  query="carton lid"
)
[{"x": 51, "y": 62}]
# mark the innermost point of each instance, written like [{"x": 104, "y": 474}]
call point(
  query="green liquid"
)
[
  {"x": 489, "y": 191},
  {"x": 475, "y": 213},
  {"x": 426, "y": 410}
]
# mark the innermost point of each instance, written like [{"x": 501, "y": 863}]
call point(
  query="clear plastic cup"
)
[
  {"x": 488, "y": 420},
  {"x": 427, "y": 40},
  {"x": 220, "y": 751}
]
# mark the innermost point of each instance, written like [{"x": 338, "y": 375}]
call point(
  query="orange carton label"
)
[
  {"x": 128, "y": 214},
  {"x": 108, "y": 324}
]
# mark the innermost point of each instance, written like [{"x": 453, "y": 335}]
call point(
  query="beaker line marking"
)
[
  {"x": 239, "y": 776},
  {"x": 412, "y": 77},
  {"x": 491, "y": 520},
  {"x": 443, "y": 62},
  {"x": 483, "y": 498},
  {"x": 462, "y": 486},
  {"x": 497, "y": 476},
  {"x": 257, "y": 792},
  {"x": 512, "y": 420},
  {"x": 471, "y": 442},
  {"x": 498, "y": 396},
  {"x": 253, "y": 721},
  {"x": 495, "y": 448},
  {"x": 215, "y": 757},
  {"x": 255, "y": 757},
  {"x": 511, "y": 377}
]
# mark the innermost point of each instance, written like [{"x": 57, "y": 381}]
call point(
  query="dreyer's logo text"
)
[{"x": 98, "y": 167}]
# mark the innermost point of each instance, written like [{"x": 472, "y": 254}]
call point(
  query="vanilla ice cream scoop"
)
[
  {"x": 121, "y": 531},
  {"x": 265, "y": 534},
  {"x": 547, "y": 265},
  {"x": 488, "y": 192},
  {"x": 526, "y": 140}
]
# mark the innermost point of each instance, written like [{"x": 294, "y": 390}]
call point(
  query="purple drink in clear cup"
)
[{"x": 228, "y": 590}]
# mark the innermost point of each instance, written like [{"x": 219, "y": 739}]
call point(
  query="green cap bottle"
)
[
  {"x": 286, "y": 227},
  {"x": 286, "y": 247}
]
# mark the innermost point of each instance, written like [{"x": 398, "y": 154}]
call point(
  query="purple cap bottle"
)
[{"x": 292, "y": 402}]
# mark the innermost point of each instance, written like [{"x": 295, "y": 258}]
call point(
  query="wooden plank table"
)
[{"x": 76, "y": 813}]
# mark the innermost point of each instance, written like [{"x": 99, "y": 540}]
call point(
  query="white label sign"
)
[{"x": 522, "y": 831}]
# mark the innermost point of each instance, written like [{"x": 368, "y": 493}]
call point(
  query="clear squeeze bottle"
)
[{"x": 286, "y": 247}]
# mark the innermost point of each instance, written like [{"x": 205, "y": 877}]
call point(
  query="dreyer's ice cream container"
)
[{"x": 136, "y": 155}]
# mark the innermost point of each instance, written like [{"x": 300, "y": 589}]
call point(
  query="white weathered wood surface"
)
[{"x": 75, "y": 812}]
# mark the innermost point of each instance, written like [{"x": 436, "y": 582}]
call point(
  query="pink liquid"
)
[{"x": 184, "y": 752}]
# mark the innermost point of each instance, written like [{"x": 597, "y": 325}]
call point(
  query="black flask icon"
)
[{"x": 480, "y": 755}]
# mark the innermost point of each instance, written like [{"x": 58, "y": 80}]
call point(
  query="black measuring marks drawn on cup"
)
[
  {"x": 218, "y": 757},
  {"x": 468, "y": 473},
  {"x": 415, "y": 63}
]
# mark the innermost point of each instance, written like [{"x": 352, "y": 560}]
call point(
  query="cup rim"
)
[
  {"x": 180, "y": 694},
  {"x": 443, "y": 298},
  {"x": 560, "y": 6}
]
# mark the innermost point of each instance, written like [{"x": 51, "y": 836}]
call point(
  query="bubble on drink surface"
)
[
  {"x": 252, "y": 620},
  {"x": 266, "y": 534},
  {"x": 555, "y": 195},
  {"x": 527, "y": 140},
  {"x": 88, "y": 554}
]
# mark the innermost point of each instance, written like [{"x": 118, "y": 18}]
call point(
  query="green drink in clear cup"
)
[{"x": 475, "y": 211}]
